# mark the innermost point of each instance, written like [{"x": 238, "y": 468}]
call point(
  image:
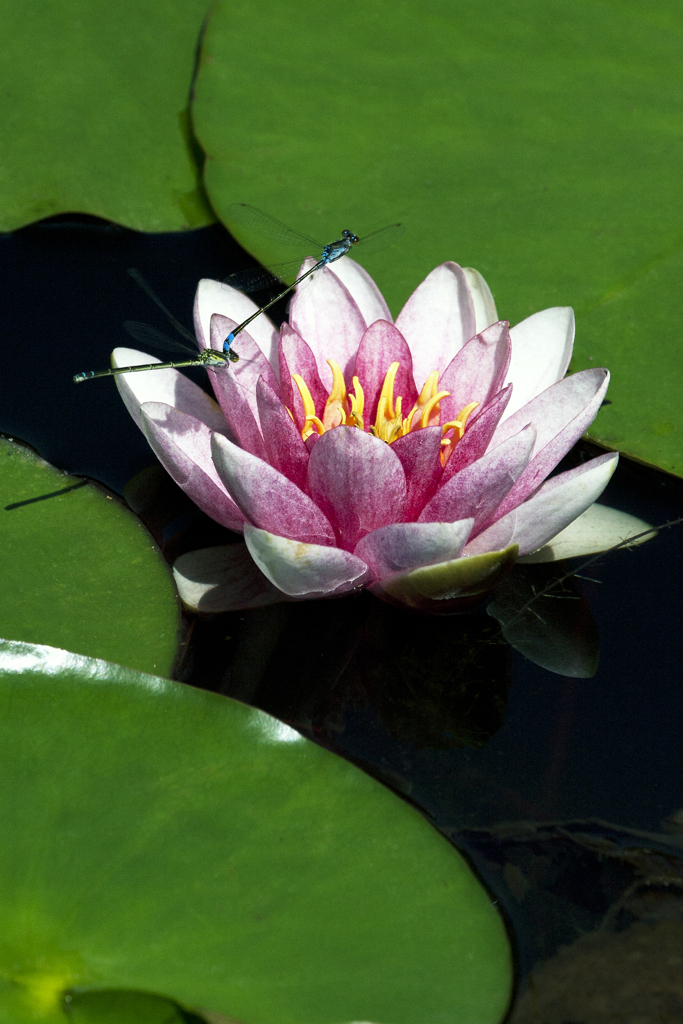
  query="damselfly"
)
[
  {"x": 149, "y": 335},
  {"x": 269, "y": 227},
  {"x": 243, "y": 215}
]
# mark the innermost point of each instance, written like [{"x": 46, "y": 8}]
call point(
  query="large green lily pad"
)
[
  {"x": 79, "y": 571},
  {"x": 538, "y": 142},
  {"x": 171, "y": 841},
  {"x": 95, "y": 119}
]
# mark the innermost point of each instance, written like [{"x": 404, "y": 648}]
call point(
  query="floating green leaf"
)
[
  {"x": 95, "y": 120},
  {"x": 170, "y": 841},
  {"x": 117, "y": 1007},
  {"x": 78, "y": 570},
  {"x": 539, "y": 142}
]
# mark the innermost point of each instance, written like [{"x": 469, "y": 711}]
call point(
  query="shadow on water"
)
[{"x": 565, "y": 791}]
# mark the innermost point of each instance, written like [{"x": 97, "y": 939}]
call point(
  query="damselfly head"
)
[
  {"x": 228, "y": 349},
  {"x": 350, "y": 237}
]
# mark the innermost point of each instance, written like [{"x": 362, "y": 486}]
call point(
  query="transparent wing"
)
[
  {"x": 258, "y": 279},
  {"x": 248, "y": 217},
  {"x": 376, "y": 241},
  {"x": 148, "y": 290},
  {"x": 147, "y": 335}
]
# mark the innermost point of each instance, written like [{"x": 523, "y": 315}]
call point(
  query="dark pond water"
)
[{"x": 566, "y": 793}]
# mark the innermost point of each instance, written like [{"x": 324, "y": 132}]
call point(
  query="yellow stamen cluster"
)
[
  {"x": 388, "y": 423},
  {"x": 457, "y": 426},
  {"x": 342, "y": 409}
]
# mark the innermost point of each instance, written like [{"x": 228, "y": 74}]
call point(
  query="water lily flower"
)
[{"x": 411, "y": 458}]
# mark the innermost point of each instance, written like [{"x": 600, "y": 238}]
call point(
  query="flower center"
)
[{"x": 342, "y": 409}]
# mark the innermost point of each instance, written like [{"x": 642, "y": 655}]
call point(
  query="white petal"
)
[
  {"x": 167, "y": 386},
  {"x": 216, "y": 297},
  {"x": 598, "y": 529},
  {"x": 363, "y": 290},
  {"x": 300, "y": 569},
  {"x": 556, "y": 504},
  {"x": 324, "y": 313},
  {"x": 541, "y": 349},
  {"x": 437, "y": 320},
  {"x": 223, "y": 579},
  {"x": 484, "y": 306}
]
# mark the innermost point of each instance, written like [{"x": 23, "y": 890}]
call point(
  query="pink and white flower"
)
[{"x": 410, "y": 458}]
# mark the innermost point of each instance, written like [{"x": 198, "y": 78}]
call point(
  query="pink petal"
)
[
  {"x": 555, "y": 407},
  {"x": 477, "y": 372},
  {"x": 236, "y": 405},
  {"x": 243, "y": 376},
  {"x": 484, "y": 307},
  {"x": 362, "y": 290},
  {"x": 357, "y": 481},
  {"x": 558, "y": 502},
  {"x": 404, "y": 546},
  {"x": 183, "y": 446},
  {"x": 420, "y": 455},
  {"x": 329, "y": 320},
  {"x": 479, "y": 489},
  {"x": 478, "y": 433},
  {"x": 168, "y": 386},
  {"x": 380, "y": 346},
  {"x": 297, "y": 357},
  {"x": 267, "y": 498},
  {"x": 568, "y": 433},
  {"x": 541, "y": 349},
  {"x": 251, "y": 367},
  {"x": 285, "y": 450},
  {"x": 437, "y": 320},
  {"x": 300, "y": 570},
  {"x": 215, "y": 297},
  {"x": 223, "y": 579}
]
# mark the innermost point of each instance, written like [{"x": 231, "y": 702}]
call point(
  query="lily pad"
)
[
  {"x": 539, "y": 143},
  {"x": 95, "y": 98},
  {"x": 117, "y": 1007},
  {"x": 79, "y": 570},
  {"x": 170, "y": 841}
]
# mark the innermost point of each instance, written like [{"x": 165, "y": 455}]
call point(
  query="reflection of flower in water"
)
[
  {"x": 548, "y": 619},
  {"x": 432, "y": 687},
  {"x": 351, "y": 452},
  {"x": 428, "y": 683},
  {"x": 399, "y": 672}
]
